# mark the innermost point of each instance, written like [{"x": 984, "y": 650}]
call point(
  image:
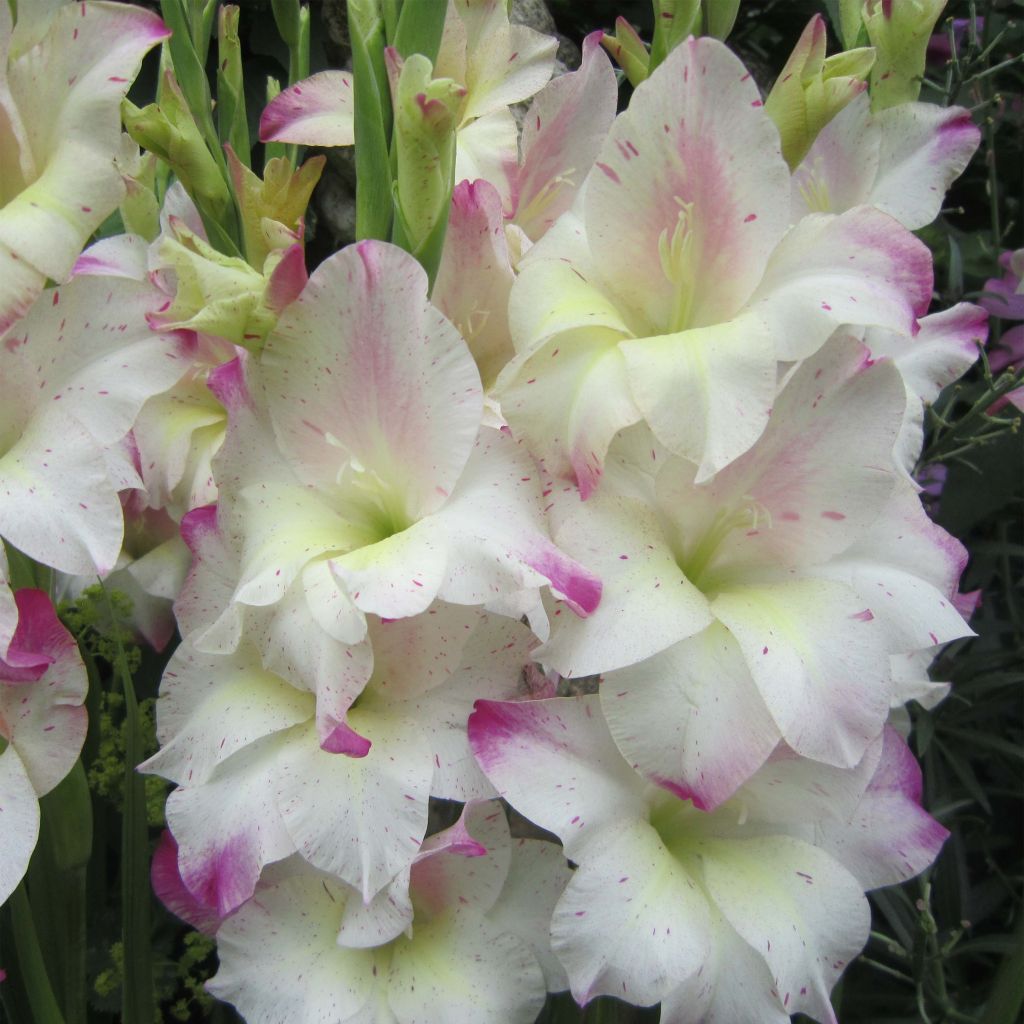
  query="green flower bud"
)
[
  {"x": 812, "y": 89},
  {"x": 629, "y": 51},
  {"x": 169, "y": 130},
  {"x": 899, "y": 31},
  {"x": 426, "y": 115}
]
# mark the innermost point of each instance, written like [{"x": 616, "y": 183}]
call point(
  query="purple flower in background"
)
[{"x": 939, "y": 49}]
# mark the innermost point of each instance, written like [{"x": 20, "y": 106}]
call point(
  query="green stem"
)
[
  {"x": 30, "y": 960},
  {"x": 137, "y": 995}
]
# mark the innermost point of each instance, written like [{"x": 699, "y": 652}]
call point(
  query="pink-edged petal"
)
[
  {"x": 691, "y": 718},
  {"x": 212, "y": 706},
  {"x": 172, "y": 892},
  {"x": 792, "y": 903},
  {"x": 498, "y": 542},
  {"x": 452, "y": 867},
  {"x": 37, "y": 632},
  {"x": 361, "y": 819},
  {"x": 19, "y": 807},
  {"x": 820, "y": 663},
  {"x": 44, "y": 719},
  {"x": 287, "y": 280},
  {"x": 632, "y": 922},
  {"x": 906, "y": 570},
  {"x": 687, "y": 197},
  {"x": 465, "y": 865},
  {"x": 116, "y": 256},
  {"x": 68, "y": 90},
  {"x": 228, "y": 828},
  {"x": 942, "y": 351},
  {"x": 890, "y": 837},
  {"x": 562, "y": 134},
  {"x": 793, "y": 795},
  {"x": 301, "y": 975},
  {"x": 386, "y": 381},
  {"x": 860, "y": 267},
  {"x": 724, "y": 375},
  {"x": 460, "y": 968},
  {"x": 475, "y": 276},
  {"x": 647, "y": 603},
  {"x": 521, "y": 747},
  {"x": 924, "y": 149},
  {"x": 318, "y": 111}
]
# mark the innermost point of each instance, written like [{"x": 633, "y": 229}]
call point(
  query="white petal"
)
[
  {"x": 279, "y": 960},
  {"x": 632, "y": 922},
  {"x": 820, "y": 663},
  {"x": 796, "y": 907},
  {"x": 461, "y": 969},
  {"x": 360, "y": 818},
  {"x": 20, "y": 809},
  {"x": 647, "y": 603}
]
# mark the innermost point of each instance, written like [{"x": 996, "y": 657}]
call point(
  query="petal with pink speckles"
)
[{"x": 318, "y": 111}]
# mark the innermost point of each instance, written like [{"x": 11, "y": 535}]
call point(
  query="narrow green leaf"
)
[
  {"x": 390, "y": 11},
  {"x": 57, "y": 879},
  {"x": 189, "y": 70},
  {"x": 30, "y": 961},
  {"x": 286, "y": 17},
  {"x": 372, "y": 125},
  {"x": 965, "y": 774},
  {"x": 420, "y": 26}
]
